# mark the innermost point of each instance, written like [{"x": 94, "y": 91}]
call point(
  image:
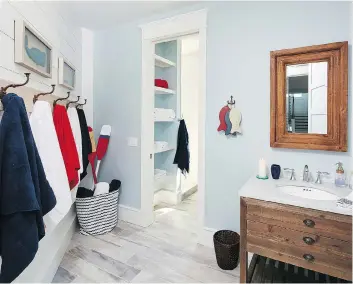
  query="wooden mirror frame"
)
[{"x": 336, "y": 54}]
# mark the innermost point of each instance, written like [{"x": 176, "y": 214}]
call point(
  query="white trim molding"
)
[
  {"x": 175, "y": 26},
  {"x": 132, "y": 215},
  {"x": 181, "y": 25}
]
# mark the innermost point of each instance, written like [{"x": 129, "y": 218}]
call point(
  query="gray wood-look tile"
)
[
  {"x": 63, "y": 276},
  {"x": 167, "y": 251}
]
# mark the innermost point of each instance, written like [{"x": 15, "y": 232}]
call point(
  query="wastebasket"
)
[{"x": 226, "y": 245}]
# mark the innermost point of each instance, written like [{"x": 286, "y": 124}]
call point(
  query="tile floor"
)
[{"x": 165, "y": 252}]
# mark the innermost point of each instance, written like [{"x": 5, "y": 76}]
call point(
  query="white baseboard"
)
[
  {"x": 51, "y": 251},
  {"x": 134, "y": 216},
  {"x": 206, "y": 237}
]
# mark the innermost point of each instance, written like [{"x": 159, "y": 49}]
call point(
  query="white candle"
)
[{"x": 262, "y": 168}]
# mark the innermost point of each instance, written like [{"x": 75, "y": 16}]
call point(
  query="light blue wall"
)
[{"x": 240, "y": 36}]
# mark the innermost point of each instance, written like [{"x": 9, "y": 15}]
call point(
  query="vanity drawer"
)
[
  {"x": 322, "y": 223},
  {"x": 324, "y": 263},
  {"x": 313, "y": 243}
]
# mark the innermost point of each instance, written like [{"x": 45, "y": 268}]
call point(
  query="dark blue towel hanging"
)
[{"x": 182, "y": 155}]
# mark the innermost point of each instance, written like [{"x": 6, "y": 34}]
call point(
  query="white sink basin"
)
[{"x": 307, "y": 192}]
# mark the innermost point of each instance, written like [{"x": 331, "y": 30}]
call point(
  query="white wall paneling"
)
[
  {"x": 66, "y": 41},
  {"x": 43, "y": 19}
]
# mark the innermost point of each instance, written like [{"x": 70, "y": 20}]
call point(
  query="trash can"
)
[{"x": 226, "y": 245}]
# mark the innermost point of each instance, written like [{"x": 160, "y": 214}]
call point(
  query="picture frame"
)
[
  {"x": 32, "y": 51},
  {"x": 67, "y": 74}
]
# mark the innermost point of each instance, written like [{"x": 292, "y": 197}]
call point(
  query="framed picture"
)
[
  {"x": 67, "y": 74},
  {"x": 31, "y": 50}
]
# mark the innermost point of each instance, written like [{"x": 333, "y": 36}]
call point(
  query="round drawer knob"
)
[
  {"x": 309, "y": 223},
  {"x": 308, "y": 240},
  {"x": 309, "y": 257}
]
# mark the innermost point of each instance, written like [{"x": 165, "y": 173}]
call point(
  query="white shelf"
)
[
  {"x": 163, "y": 91},
  {"x": 159, "y": 61},
  {"x": 165, "y": 120},
  {"x": 164, "y": 150}
]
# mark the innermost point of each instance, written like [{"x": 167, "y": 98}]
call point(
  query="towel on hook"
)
[
  {"x": 67, "y": 145},
  {"x": 44, "y": 134},
  {"x": 25, "y": 193},
  {"x": 182, "y": 155},
  {"x": 76, "y": 131},
  {"x": 86, "y": 141}
]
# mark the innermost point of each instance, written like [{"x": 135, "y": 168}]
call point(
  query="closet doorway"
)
[
  {"x": 174, "y": 51},
  {"x": 175, "y": 104}
]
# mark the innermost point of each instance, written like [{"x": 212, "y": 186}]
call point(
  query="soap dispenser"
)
[{"x": 340, "y": 179}]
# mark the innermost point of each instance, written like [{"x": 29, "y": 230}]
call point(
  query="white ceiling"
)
[{"x": 104, "y": 14}]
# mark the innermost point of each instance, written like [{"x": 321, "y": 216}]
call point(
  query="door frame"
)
[{"x": 180, "y": 25}]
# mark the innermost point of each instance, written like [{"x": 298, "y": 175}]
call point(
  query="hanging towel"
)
[
  {"x": 86, "y": 141},
  {"x": 44, "y": 134},
  {"x": 67, "y": 144},
  {"x": 25, "y": 194},
  {"x": 182, "y": 155},
  {"x": 76, "y": 131}
]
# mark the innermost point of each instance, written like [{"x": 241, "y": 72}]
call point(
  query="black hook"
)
[
  {"x": 61, "y": 99},
  {"x": 35, "y": 98},
  {"x": 81, "y": 104},
  {"x": 4, "y": 89},
  {"x": 231, "y": 102},
  {"x": 67, "y": 106}
]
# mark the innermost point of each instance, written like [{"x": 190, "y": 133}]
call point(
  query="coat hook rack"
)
[
  {"x": 68, "y": 104},
  {"x": 35, "y": 98},
  {"x": 61, "y": 99},
  {"x": 231, "y": 102},
  {"x": 4, "y": 89},
  {"x": 78, "y": 105}
]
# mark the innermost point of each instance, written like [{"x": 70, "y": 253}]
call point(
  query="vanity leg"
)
[{"x": 243, "y": 252}]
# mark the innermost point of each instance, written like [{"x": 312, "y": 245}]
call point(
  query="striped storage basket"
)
[{"x": 98, "y": 215}]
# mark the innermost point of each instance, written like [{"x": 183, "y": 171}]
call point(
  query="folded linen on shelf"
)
[{"x": 160, "y": 145}]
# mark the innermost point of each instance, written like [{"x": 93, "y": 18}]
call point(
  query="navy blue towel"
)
[
  {"x": 182, "y": 155},
  {"x": 25, "y": 194}
]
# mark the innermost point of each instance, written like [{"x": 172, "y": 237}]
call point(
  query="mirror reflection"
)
[{"x": 306, "y": 98}]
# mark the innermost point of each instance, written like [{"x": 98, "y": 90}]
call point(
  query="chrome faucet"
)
[
  {"x": 292, "y": 176},
  {"x": 318, "y": 178},
  {"x": 306, "y": 174}
]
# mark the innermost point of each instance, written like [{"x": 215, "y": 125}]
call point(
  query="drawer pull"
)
[
  {"x": 309, "y": 223},
  {"x": 308, "y": 240},
  {"x": 309, "y": 257}
]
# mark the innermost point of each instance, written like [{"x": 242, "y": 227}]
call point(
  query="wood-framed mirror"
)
[{"x": 309, "y": 97}]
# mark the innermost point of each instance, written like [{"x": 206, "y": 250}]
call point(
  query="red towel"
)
[
  {"x": 67, "y": 144},
  {"x": 161, "y": 83}
]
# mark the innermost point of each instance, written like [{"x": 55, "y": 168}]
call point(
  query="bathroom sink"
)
[{"x": 307, "y": 192}]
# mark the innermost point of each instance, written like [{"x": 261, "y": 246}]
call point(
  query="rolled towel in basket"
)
[
  {"x": 114, "y": 185},
  {"x": 101, "y": 188}
]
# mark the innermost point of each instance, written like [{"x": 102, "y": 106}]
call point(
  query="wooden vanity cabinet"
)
[{"x": 312, "y": 239}]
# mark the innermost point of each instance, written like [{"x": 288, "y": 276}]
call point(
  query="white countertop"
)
[{"x": 267, "y": 190}]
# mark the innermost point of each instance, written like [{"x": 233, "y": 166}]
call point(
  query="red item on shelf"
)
[{"x": 161, "y": 83}]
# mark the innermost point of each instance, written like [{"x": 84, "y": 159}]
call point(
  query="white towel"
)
[
  {"x": 44, "y": 134},
  {"x": 76, "y": 130},
  {"x": 101, "y": 187}
]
